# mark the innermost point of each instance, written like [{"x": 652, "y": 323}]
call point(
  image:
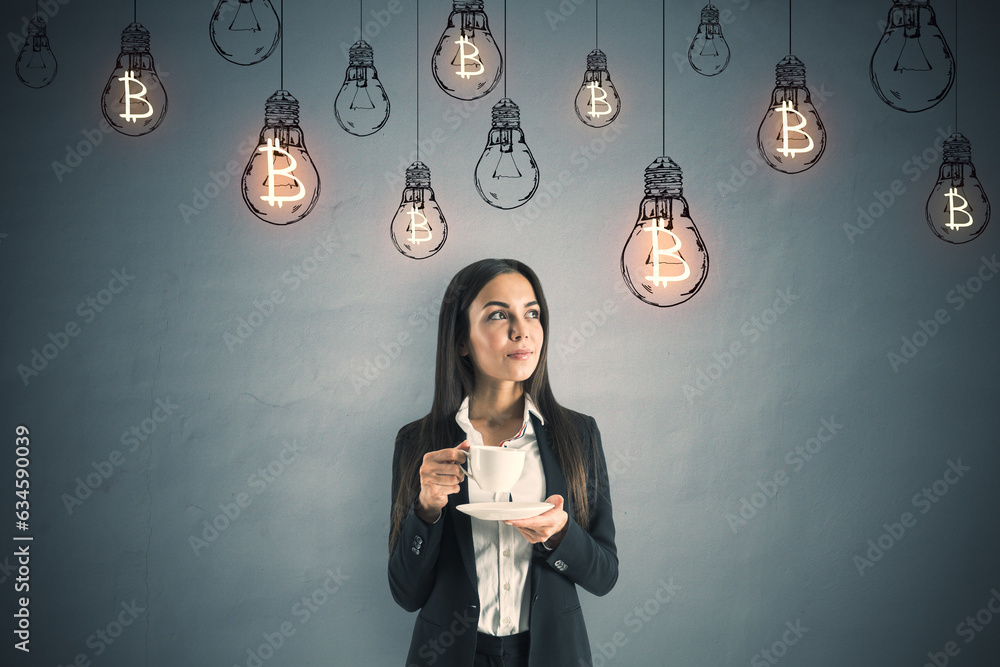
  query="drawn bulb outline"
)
[
  {"x": 467, "y": 63},
  {"x": 134, "y": 101},
  {"x": 957, "y": 209},
  {"x": 418, "y": 228},
  {"x": 597, "y": 102},
  {"x": 280, "y": 183},
  {"x": 361, "y": 107},
  {"x": 791, "y": 138},
  {"x": 244, "y": 32},
  {"x": 709, "y": 52},
  {"x": 36, "y": 65},
  {"x": 664, "y": 262},
  {"x": 506, "y": 174},
  {"x": 912, "y": 68}
]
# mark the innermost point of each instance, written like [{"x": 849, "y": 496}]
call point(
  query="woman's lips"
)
[{"x": 520, "y": 355}]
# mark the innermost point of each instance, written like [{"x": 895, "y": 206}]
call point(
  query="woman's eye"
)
[
  {"x": 497, "y": 315},
  {"x": 533, "y": 314}
]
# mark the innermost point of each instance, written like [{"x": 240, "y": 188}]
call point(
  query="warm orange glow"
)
[
  {"x": 270, "y": 149},
  {"x": 462, "y": 57},
  {"x": 952, "y": 210},
  {"x": 669, "y": 254},
  {"x": 594, "y": 99},
  {"x": 418, "y": 225},
  {"x": 138, "y": 97},
  {"x": 786, "y": 108}
]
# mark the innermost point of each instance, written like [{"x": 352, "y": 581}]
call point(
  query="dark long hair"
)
[{"x": 455, "y": 378}]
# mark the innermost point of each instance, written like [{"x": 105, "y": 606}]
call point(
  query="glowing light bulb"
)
[
  {"x": 709, "y": 53},
  {"x": 957, "y": 210},
  {"x": 36, "y": 64},
  {"x": 362, "y": 106},
  {"x": 664, "y": 261},
  {"x": 418, "y": 229},
  {"x": 791, "y": 137},
  {"x": 134, "y": 101},
  {"x": 506, "y": 175},
  {"x": 597, "y": 103},
  {"x": 280, "y": 183},
  {"x": 244, "y": 32},
  {"x": 912, "y": 68},
  {"x": 467, "y": 62}
]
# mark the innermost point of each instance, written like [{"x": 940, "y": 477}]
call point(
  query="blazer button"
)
[{"x": 560, "y": 565}]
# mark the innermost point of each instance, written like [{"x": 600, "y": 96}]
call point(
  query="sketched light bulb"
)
[
  {"x": 664, "y": 261},
  {"x": 244, "y": 32},
  {"x": 280, "y": 183},
  {"x": 36, "y": 64},
  {"x": 957, "y": 210},
  {"x": 418, "y": 229},
  {"x": 362, "y": 106},
  {"x": 791, "y": 137},
  {"x": 597, "y": 102},
  {"x": 912, "y": 68},
  {"x": 467, "y": 63},
  {"x": 134, "y": 101},
  {"x": 709, "y": 53},
  {"x": 506, "y": 175}
]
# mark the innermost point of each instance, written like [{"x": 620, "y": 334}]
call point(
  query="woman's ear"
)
[{"x": 462, "y": 350}]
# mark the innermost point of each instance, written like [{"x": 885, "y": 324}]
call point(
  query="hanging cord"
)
[
  {"x": 134, "y": 13},
  {"x": 789, "y": 27},
  {"x": 281, "y": 55},
  {"x": 956, "y": 66},
  {"x": 663, "y": 78},
  {"x": 597, "y": 24},
  {"x": 361, "y": 16},
  {"x": 416, "y": 76},
  {"x": 506, "y": 65}
]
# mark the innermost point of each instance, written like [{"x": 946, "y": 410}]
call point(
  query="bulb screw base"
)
[
  {"x": 135, "y": 39},
  {"x": 361, "y": 54},
  {"x": 957, "y": 148},
  {"x": 790, "y": 73},
  {"x": 418, "y": 175},
  {"x": 467, "y": 5},
  {"x": 710, "y": 14},
  {"x": 664, "y": 178},
  {"x": 281, "y": 110},
  {"x": 506, "y": 114},
  {"x": 36, "y": 27},
  {"x": 597, "y": 60}
]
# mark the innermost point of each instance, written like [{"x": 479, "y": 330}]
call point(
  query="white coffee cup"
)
[{"x": 495, "y": 469}]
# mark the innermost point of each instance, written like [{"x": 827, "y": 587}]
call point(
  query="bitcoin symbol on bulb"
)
[
  {"x": 671, "y": 253},
  {"x": 786, "y": 108},
  {"x": 594, "y": 99},
  {"x": 952, "y": 210},
  {"x": 418, "y": 225},
  {"x": 271, "y": 198},
  {"x": 462, "y": 57},
  {"x": 139, "y": 97}
]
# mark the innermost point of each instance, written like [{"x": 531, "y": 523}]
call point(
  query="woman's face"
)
[{"x": 505, "y": 330}]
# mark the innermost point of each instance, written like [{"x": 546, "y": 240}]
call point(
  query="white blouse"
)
[{"x": 503, "y": 555}]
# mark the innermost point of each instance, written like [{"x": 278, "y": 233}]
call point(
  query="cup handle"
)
[{"x": 465, "y": 467}]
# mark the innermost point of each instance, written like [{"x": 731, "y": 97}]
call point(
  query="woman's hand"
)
[
  {"x": 440, "y": 475},
  {"x": 549, "y": 527}
]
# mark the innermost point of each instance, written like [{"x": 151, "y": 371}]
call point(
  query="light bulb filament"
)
[
  {"x": 952, "y": 210},
  {"x": 461, "y": 57},
  {"x": 418, "y": 225},
  {"x": 786, "y": 108},
  {"x": 594, "y": 99},
  {"x": 271, "y": 198},
  {"x": 245, "y": 19},
  {"x": 670, "y": 253},
  {"x": 139, "y": 97}
]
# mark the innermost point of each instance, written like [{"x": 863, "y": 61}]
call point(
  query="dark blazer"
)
[{"x": 432, "y": 568}]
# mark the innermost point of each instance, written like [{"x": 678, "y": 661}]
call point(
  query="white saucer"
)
[{"x": 504, "y": 511}]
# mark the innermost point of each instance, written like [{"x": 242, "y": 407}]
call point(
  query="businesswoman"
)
[{"x": 498, "y": 592}]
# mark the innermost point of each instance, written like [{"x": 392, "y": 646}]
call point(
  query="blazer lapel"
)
[
  {"x": 555, "y": 482},
  {"x": 462, "y": 521}
]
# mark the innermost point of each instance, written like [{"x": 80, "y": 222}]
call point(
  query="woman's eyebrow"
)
[{"x": 505, "y": 305}]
